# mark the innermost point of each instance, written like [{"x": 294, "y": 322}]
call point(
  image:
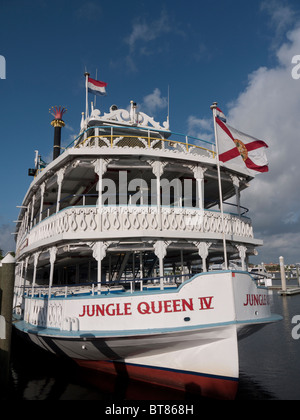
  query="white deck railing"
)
[{"x": 135, "y": 220}]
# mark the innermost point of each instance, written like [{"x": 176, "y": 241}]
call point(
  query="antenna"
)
[{"x": 169, "y": 105}]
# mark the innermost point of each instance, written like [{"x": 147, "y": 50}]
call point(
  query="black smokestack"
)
[
  {"x": 57, "y": 139},
  {"x": 57, "y": 123}
]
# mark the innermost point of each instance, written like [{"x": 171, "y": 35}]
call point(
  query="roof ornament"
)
[
  {"x": 57, "y": 112},
  {"x": 130, "y": 117}
]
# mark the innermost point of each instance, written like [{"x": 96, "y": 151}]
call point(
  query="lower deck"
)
[{"x": 210, "y": 298}]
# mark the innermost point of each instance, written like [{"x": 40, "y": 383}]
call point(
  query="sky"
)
[{"x": 236, "y": 52}]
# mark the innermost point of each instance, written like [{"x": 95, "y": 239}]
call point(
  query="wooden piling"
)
[
  {"x": 282, "y": 274},
  {"x": 7, "y": 276},
  {"x": 287, "y": 291}
]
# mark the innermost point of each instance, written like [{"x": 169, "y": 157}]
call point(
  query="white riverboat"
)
[{"x": 114, "y": 242}]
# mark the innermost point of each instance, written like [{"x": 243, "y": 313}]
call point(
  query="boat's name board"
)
[
  {"x": 148, "y": 308},
  {"x": 257, "y": 300}
]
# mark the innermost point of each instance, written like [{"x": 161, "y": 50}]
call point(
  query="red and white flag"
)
[
  {"x": 241, "y": 149},
  {"x": 220, "y": 115},
  {"x": 96, "y": 87}
]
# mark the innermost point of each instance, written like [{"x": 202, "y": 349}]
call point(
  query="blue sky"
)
[{"x": 235, "y": 52}]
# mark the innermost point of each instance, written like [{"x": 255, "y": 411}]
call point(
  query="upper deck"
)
[
  {"x": 140, "y": 177},
  {"x": 132, "y": 129},
  {"x": 133, "y": 138}
]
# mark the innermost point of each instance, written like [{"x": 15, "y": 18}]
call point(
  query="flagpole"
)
[
  {"x": 95, "y": 95},
  {"x": 214, "y": 110},
  {"x": 86, "y": 94}
]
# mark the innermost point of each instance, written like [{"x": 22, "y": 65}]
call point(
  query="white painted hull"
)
[{"x": 170, "y": 338}]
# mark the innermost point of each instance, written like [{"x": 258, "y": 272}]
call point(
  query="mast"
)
[
  {"x": 214, "y": 110},
  {"x": 86, "y": 94}
]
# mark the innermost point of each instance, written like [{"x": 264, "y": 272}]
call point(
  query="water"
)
[
  {"x": 269, "y": 369},
  {"x": 270, "y": 359}
]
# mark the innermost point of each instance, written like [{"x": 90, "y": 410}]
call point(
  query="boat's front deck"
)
[{"x": 129, "y": 286}]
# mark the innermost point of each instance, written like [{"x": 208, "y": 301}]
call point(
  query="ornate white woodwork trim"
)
[
  {"x": 157, "y": 167},
  {"x": 36, "y": 257},
  {"x": 235, "y": 180},
  {"x": 198, "y": 171},
  {"x": 101, "y": 166},
  {"x": 60, "y": 175},
  {"x": 167, "y": 148},
  {"x": 242, "y": 251},
  {"x": 203, "y": 248},
  {"x": 131, "y": 117},
  {"x": 99, "y": 249},
  {"x": 242, "y": 254},
  {"x": 160, "y": 248},
  {"x": 52, "y": 253},
  {"x": 135, "y": 220},
  {"x": 42, "y": 187}
]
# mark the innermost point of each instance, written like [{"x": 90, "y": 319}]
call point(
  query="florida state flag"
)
[{"x": 241, "y": 149}]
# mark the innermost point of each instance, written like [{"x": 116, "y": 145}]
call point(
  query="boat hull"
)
[
  {"x": 188, "y": 383},
  {"x": 202, "y": 362},
  {"x": 183, "y": 339}
]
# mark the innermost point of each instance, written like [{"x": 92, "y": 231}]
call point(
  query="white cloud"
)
[
  {"x": 141, "y": 40},
  {"x": 89, "y": 11},
  {"x": 153, "y": 102},
  {"x": 202, "y": 53},
  {"x": 281, "y": 16},
  {"x": 7, "y": 242},
  {"x": 145, "y": 32},
  {"x": 201, "y": 128},
  {"x": 269, "y": 109},
  {"x": 276, "y": 245}
]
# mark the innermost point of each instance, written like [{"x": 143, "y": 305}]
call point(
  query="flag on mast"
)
[
  {"x": 241, "y": 149},
  {"x": 220, "y": 115},
  {"x": 96, "y": 87}
]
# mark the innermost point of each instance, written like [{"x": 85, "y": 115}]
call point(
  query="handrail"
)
[
  {"x": 83, "y": 196},
  {"x": 36, "y": 223},
  {"x": 93, "y": 287},
  {"x": 149, "y": 130},
  {"x": 148, "y": 139}
]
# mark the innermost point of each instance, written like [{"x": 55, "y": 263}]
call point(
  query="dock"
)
[
  {"x": 283, "y": 289},
  {"x": 289, "y": 291}
]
